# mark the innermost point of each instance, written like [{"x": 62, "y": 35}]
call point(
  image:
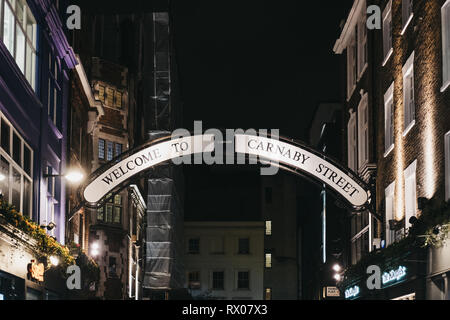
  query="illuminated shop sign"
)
[
  {"x": 352, "y": 292},
  {"x": 394, "y": 275}
]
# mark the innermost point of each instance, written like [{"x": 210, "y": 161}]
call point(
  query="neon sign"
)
[
  {"x": 352, "y": 292},
  {"x": 394, "y": 275}
]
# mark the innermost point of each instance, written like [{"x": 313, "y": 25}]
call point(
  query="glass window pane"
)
[
  {"x": 117, "y": 214},
  {"x": 19, "y": 11},
  {"x": 109, "y": 151},
  {"x": 31, "y": 28},
  {"x": 27, "y": 159},
  {"x": 101, "y": 149},
  {"x": 118, "y": 199},
  {"x": 118, "y": 99},
  {"x": 101, "y": 93},
  {"x": 27, "y": 192},
  {"x": 17, "y": 149},
  {"x": 109, "y": 211},
  {"x": 100, "y": 215},
  {"x": 8, "y": 29},
  {"x": 118, "y": 149},
  {"x": 20, "y": 48},
  {"x": 4, "y": 178},
  {"x": 16, "y": 184},
  {"x": 109, "y": 97},
  {"x": 5, "y": 132}
]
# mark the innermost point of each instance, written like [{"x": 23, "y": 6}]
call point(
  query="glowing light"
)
[
  {"x": 54, "y": 260},
  {"x": 337, "y": 277},
  {"x": 95, "y": 249},
  {"x": 74, "y": 176},
  {"x": 2, "y": 177},
  {"x": 394, "y": 275},
  {"x": 337, "y": 267},
  {"x": 352, "y": 292}
]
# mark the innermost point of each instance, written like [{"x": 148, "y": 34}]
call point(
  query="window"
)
[
  {"x": 194, "y": 246},
  {"x": 351, "y": 142},
  {"x": 118, "y": 149},
  {"x": 387, "y": 32},
  {"x": 244, "y": 246},
  {"x": 118, "y": 99},
  {"x": 351, "y": 65},
  {"x": 19, "y": 36},
  {"x": 410, "y": 193},
  {"x": 409, "y": 109},
  {"x": 194, "y": 280},
  {"x": 112, "y": 268},
  {"x": 445, "y": 13},
  {"x": 101, "y": 149},
  {"x": 243, "y": 280},
  {"x": 218, "y": 280},
  {"x": 101, "y": 93},
  {"x": 268, "y": 260},
  {"x": 389, "y": 120},
  {"x": 447, "y": 165},
  {"x": 16, "y": 160},
  {"x": 362, "y": 44},
  {"x": 268, "y": 228},
  {"x": 363, "y": 132},
  {"x": 360, "y": 235},
  {"x": 407, "y": 13},
  {"x": 109, "y": 150},
  {"x": 109, "y": 97},
  {"x": 268, "y": 294},
  {"x": 111, "y": 212},
  {"x": 389, "y": 212}
]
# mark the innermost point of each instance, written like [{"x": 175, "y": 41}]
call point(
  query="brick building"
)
[{"x": 398, "y": 120}]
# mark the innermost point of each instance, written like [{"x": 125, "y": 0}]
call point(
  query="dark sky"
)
[
  {"x": 257, "y": 64},
  {"x": 252, "y": 64}
]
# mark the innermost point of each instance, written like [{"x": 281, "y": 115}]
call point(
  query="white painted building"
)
[{"x": 225, "y": 260}]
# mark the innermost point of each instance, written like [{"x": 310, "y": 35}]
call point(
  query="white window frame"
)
[
  {"x": 407, "y": 14},
  {"x": 389, "y": 202},
  {"x": 389, "y": 117},
  {"x": 445, "y": 15},
  {"x": 387, "y": 32},
  {"x": 363, "y": 131},
  {"x": 410, "y": 177},
  {"x": 352, "y": 146},
  {"x": 351, "y": 65},
  {"x": 409, "y": 113},
  {"x": 362, "y": 46},
  {"x": 447, "y": 165}
]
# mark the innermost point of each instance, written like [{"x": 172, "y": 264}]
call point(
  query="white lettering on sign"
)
[
  {"x": 394, "y": 275},
  {"x": 145, "y": 159},
  {"x": 282, "y": 152}
]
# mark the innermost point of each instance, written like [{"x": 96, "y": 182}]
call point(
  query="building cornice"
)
[{"x": 341, "y": 42}]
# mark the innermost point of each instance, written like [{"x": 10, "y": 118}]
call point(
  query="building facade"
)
[
  {"x": 225, "y": 260},
  {"x": 35, "y": 64},
  {"x": 398, "y": 121}
]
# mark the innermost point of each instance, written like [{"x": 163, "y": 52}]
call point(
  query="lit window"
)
[
  {"x": 389, "y": 212},
  {"x": 101, "y": 149},
  {"x": 268, "y": 263},
  {"x": 445, "y": 13},
  {"x": 387, "y": 31},
  {"x": 410, "y": 193},
  {"x": 118, "y": 149},
  {"x": 407, "y": 13},
  {"x": 268, "y": 294},
  {"x": 268, "y": 228},
  {"x": 363, "y": 132},
  {"x": 351, "y": 142},
  {"x": 19, "y": 36},
  {"x": 101, "y": 93},
  {"x": 447, "y": 166},
  {"x": 118, "y": 99},
  {"x": 109, "y": 97},
  {"x": 409, "y": 108},
  {"x": 389, "y": 120}
]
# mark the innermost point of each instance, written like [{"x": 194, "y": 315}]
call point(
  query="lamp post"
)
[{"x": 73, "y": 176}]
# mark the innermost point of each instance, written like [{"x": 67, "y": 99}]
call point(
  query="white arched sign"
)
[{"x": 273, "y": 150}]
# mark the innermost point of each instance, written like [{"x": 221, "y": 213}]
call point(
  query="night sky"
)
[{"x": 252, "y": 64}]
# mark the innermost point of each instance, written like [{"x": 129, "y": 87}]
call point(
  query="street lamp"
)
[
  {"x": 73, "y": 176},
  {"x": 337, "y": 277},
  {"x": 95, "y": 249},
  {"x": 337, "y": 267},
  {"x": 54, "y": 260}
]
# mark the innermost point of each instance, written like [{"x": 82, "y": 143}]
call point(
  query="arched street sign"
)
[{"x": 284, "y": 153}]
